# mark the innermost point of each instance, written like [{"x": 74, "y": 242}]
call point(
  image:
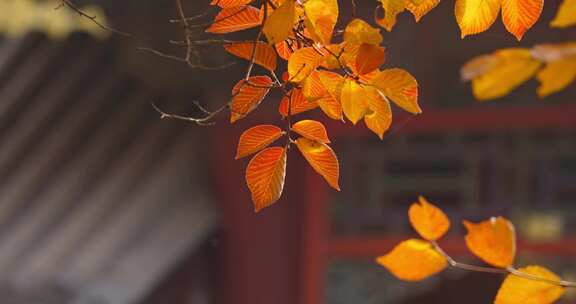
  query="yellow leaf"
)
[
  {"x": 513, "y": 67},
  {"x": 493, "y": 241},
  {"x": 428, "y": 220},
  {"x": 519, "y": 15},
  {"x": 333, "y": 56},
  {"x": 566, "y": 15},
  {"x": 358, "y": 32},
  {"x": 298, "y": 104},
  {"x": 369, "y": 58},
  {"x": 413, "y": 260},
  {"x": 279, "y": 24},
  {"x": 264, "y": 55},
  {"x": 556, "y": 76},
  {"x": 330, "y": 103},
  {"x": 353, "y": 100},
  {"x": 265, "y": 176},
  {"x": 302, "y": 63},
  {"x": 256, "y": 139},
  {"x": 312, "y": 88},
  {"x": 312, "y": 129},
  {"x": 321, "y": 17},
  {"x": 518, "y": 290},
  {"x": 247, "y": 95},
  {"x": 378, "y": 116},
  {"x": 235, "y": 19},
  {"x": 322, "y": 159},
  {"x": 399, "y": 86},
  {"x": 419, "y": 8},
  {"x": 391, "y": 9},
  {"x": 476, "y": 16}
]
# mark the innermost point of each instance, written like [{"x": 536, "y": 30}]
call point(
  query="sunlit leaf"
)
[
  {"x": 378, "y": 116},
  {"x": 230, "y": 3},
  {"x": 330, "y": 103},
  {"x": 235, "y": 19},
  {"x": 265, "y": 176},
  {"x": 513, "y": 68},
  {"x": 285, "y": 49},
  {"x": 353, "y": 100},
  {"x": 518, "y": 290},
  {"x": 370, "y": 57},
  {"x": 247, "y": 95},
  {"x": 519, "y": 15},
  {"x": 298, "y": 104},
  {"x": 566, "y": 15},
  {"x": 312, "y": 129},
  {"x": 399, "y": 86},
  {"x": 264, "y": 55},
  {"x": 428, "y": 220},
  {"x": 556, "y": 76},
  {"x": 493, "y": 241},
  {"x": 358, "y": 32},
  {"x": 256, "y": 139},
  {"x": 419, "y": 8},
  {"x": 278, "y": 25},
  {"x": 302, "y": 63},
  {"x": 476, "y": 16},
  {"x": 321, "y": 17},
  {"x": 332, "y": 59},
  {"x": 322, "y": 159},
  {"x": 413, "y": 260},
  {"x": 312, "y": 87},
  {"x": 391, "y": 9}
]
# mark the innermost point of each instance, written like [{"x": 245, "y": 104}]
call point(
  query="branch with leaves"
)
[{"x": 493, "y": 241}]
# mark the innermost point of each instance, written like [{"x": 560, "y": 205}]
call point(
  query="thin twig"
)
[
  {"x": 204, "y": 121},
  {"x": 75, "y": 8}
]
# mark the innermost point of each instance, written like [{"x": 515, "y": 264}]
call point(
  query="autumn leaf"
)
[
  {"x": 312, "y": 129},
  {"x": 265, "y": 176},
  {"x": 302, "y": 63},
  {"x": 520, "y": 15},
  {"x": 358, "y": 32},
  {"x": 264, "y": 56},
  {"x": 321, "y": 17},
  {"x": 518, "y": 290},
  {"x": 322, "y": 159},
  {"x": 330, "y": 103},
  {"x": 419, "y": 8},
  {"x": 278, "y": 25},
  {"x": 413, "y": 260},
  {"x": 556, "y": 76},
  {"x": 566, "y": 15},
  {"x": 478, "y": 66},
  {"x": 285, "y": 49},
  {"x": 298, "y": 104},
  {"x": 512, "y": 68},
  {"x": 247, "y": 95},
  {"x": 378, "y": 116},
  {"x": 353, "y": 100},
  {"x": 399, "y": 86},
  {"x": 230, "y": 3},
  {"x": 256, "y": 139},
  {"x": 428, "y": 220},
  {"x": 370, "y": 57},
  {"x": 391, "y": 9},
  {"x": 235, "y": 19},
  {"x": 312, "y": 87},
  {"x": 333, "y": 57},
  {"x": 493, "y": 241},
  {"x": 476, "y": 16}
]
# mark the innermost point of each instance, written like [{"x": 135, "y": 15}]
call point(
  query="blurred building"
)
[{"x": 103, "y": 202}]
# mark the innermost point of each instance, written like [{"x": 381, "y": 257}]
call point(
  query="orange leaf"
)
[
  {"x": 520, "y": 15},
  {"x": 369, "y": 58},
  {"x": 322, "y": 159},
  {"x": 518, "y": 290},
  {"x": 391, "y": 10},
  {"x": 413, "y": 260},
  {"x": 285, "y": 49},
  {"x": 312, "y": 129},
  {"x": 321, "y": 17},
  {"x": 399, "y": 86},
  {"x": 428, "y": 220},
  {"x": 256, "y": 139},
  {"x": 359, "y": 31},
  {"x": 378, "y": 116},
  {"x": 235, "y": 19},
  {"x": 298, "y": 104},
  {"x": 248, "y": 95},
  {"x": 419, "y": 8},
  {"x": 353, "y": 100},
  {"x": 265, "y": 176},
  {"x": 312, "y": 88},
  {"x": 493, "y": 241},
  {"x": 330, "y": 103},
  {"x": 279, "y": 24},
  {"x": 302, "y": 63},
  {"x": 474, "y": 16},
  {"x": 264, "y": 56},
  {"x": 229, "y": 3}
]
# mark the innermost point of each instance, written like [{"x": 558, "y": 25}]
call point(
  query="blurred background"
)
[{"x": 101, "y": 202}]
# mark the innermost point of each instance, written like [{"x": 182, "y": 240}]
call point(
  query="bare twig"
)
[
  {"x": 203, "y": 121},
  {"x": 72, "y": 6}
]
